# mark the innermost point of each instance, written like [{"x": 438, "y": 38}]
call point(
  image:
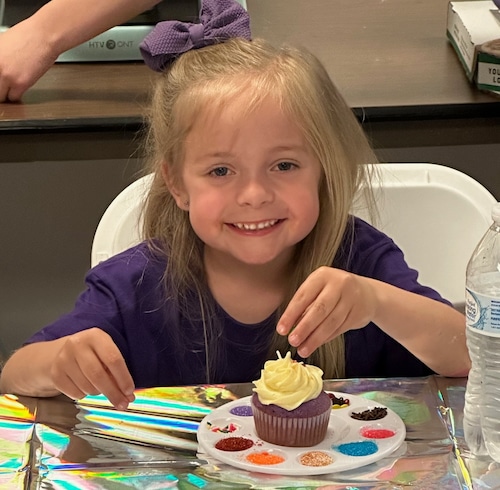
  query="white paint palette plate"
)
[{"x": 349, "y": 443}]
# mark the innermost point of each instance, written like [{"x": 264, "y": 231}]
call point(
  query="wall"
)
[{"x": 48, "y": 215}]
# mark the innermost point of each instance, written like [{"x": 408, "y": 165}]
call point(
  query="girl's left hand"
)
[{"x": 328, "y": 303}]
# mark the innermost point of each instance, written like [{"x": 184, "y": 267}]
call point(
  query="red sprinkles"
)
[
  {"x": 377, "y": 433},
  {"x": 234, "y": 444}
]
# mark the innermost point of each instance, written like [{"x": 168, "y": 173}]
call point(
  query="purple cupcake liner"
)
[{"x": 291, "y": 431}]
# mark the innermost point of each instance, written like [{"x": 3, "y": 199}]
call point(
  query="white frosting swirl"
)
[{"x": 288, "y": 383}]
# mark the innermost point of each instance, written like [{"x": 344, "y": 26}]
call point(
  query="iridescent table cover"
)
[{"x": 58, "y": 444}]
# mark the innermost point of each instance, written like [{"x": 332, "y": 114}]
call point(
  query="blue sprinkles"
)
[
  {"x": 362, "y": 448},
  {"x": 242, "y": 410}
]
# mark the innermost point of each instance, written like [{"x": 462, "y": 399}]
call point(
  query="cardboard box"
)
[{"x": 471, "y": 28}]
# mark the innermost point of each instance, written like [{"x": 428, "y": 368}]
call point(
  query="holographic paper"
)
[
  {"x": 140, "y": 428},
  {"x": 56, "y": 444},
  {"x": 186, "y": 401},
  {"x": 15, "y": 440},
  {"x": 12, "y": 407}
]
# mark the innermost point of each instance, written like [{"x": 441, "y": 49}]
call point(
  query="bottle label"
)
[{"x": 482, "y": 313}]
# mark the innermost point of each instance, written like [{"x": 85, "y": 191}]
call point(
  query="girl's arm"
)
[
  {"x": 28, "y": 49},
  {"x": 84, "y": 363},
  {"x": 332, "y": 301},
  {"x": 433, "y": 331}
]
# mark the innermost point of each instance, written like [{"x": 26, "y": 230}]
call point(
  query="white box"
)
[{"x": 470, "y": 25}]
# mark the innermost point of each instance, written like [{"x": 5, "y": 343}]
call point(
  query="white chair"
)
[
  {"x": 434, "y": 213},
  {"x": 120, "y": 225}
]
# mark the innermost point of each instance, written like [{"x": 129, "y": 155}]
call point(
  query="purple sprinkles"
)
[{"x": 242, "y": 411}]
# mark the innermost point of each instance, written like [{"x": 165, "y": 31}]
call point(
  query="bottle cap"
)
[{"x": 495, "y": 212}]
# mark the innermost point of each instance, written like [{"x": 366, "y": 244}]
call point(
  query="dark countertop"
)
[{"x": 390, "y": 58}]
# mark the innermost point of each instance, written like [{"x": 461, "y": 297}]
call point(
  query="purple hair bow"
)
[{"x": 219, "y": 20}]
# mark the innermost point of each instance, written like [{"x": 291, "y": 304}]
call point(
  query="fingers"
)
[
  {"x": 311, "y": 333},
  {"x": 90, "y": 363},
  {"x": 74, "y": 388},
  {"x": 24, "y": 57},
  {"x": 327, "y": 304},
  {"x": 15, "y": 94},
  {"x": 302, "y": 300},
  {"x": 10, "y": 92},
  {"x": 313, "y": 302},
  {"x": 112, "y": 378}
]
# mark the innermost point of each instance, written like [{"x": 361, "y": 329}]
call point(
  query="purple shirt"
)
[{"x": 124, "y": 296}]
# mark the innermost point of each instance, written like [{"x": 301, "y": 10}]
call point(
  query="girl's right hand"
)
[{"x": 90, "y": 363}]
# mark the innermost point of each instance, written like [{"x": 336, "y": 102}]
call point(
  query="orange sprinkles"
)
[{"x": 265, "y": 458}]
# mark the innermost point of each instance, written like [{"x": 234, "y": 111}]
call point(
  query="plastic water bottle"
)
[
  {"x": 482, "y": 308},
  {"x": 473, "y": 432}
]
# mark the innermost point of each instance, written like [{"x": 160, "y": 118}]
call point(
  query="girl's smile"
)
[{"x": 255, "y": 228}]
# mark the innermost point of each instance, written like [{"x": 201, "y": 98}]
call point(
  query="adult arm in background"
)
[{"x": 28, "y": 49}]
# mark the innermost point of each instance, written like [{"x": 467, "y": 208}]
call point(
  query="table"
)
[{"x": 55, "y": 443}]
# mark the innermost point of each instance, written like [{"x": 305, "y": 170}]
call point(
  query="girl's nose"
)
[{"x": 255, "y": 192}]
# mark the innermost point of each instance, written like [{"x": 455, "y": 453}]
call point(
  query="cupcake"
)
[{"x": 289, "y": 405}]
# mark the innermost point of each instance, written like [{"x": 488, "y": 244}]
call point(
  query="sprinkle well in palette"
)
[
  {"x": 371, "y": 433},
  {"x": 375, "y": 413},
  {"x": 339, "y": 401},
  {"x": 265, "y": 458},
  {"x": 234, "y": 444},
  {"x": 226, "y": 429},
  {"x": 361, "y": 448},
  {"x": 242, "y": 411},
  {"x": 316, "y": 458}
]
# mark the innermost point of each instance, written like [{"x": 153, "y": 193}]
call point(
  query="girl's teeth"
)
[{"x": 256, "y": 226}]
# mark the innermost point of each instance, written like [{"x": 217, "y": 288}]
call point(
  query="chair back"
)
[
  {"x": 436, "y": 215},
  {"x": 120, "y": 225}
]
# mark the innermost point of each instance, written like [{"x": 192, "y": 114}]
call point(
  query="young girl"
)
[{"x": 249, "y": 247}]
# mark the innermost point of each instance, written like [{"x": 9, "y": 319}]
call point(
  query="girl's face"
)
[{"x": 251, "y": 182}]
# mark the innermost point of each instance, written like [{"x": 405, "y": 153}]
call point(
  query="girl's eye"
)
[
  {"x": 219, "y": 172},
  {"x": 284, "y": 166}
]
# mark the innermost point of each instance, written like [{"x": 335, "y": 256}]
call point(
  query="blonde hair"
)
[{"x": 302, "y": 87}]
